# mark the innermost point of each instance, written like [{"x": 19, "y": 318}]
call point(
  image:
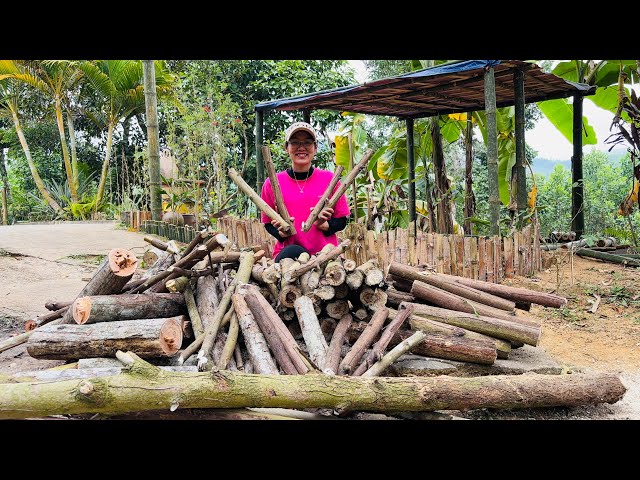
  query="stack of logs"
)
[{"x": 210, "y": 306}]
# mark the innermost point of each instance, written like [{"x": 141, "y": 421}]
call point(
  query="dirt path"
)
[{"x": 40, "y": 263}]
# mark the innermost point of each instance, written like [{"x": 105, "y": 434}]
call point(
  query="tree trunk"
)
[
  {"x": 113, "y": 308},
  {"x": 152, "y": 131},
  {"x": 116, "y": 270},
  {"x": 145, "y": 387},
  {"x": 5, "y": 188},
  {"x": 608, "y": 257},
  {"x": 493, "y": 327},
  {"x": 153, "y": 337},
  {"x": 469, "y": 197},
  {"x": 442, "y": 186}
]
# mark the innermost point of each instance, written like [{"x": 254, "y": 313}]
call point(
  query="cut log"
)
[
  {"x": 313, "y": 215},
  {"x": 396, "y": 297},
  {"x": 130, "y": 391},
  {"x": 373, "y": 298},
  {"x": 153, "y": 337},
  {"x": 385, "y": 362},
  {"x": 207, "y": 299},
  {"x": 311, "y": 331},
  {"x": 40, "y": 320},
  {"x": 255, "y": 198},
  {"x": 116, "y": 270},
  {"x": 608, "y": 257},
  {"x": 277, "y": 193},
  {"x": 113, "y": 308},
  {"x": 417, "y": 322},
  {"x": 284, "y": 347},
  {"x": 54, "y": 305},
  {"x": 351, "y": 359},
  {"x": 321, "y": 258},
  {"x": 378, "y": 349},
  {"x": 493, "y": 327},
  {"x": 257, "y": 346},
  {"x": 337, "y": 309},
  {"x": 463, "y": 349},
  {"x": 334, "y": 353},
  {"x": 334, "y": 273}
]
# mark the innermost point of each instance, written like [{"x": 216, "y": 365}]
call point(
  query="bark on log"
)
[
  {"x": 40, "y": 320},
  {"x": 226, "y": 357},
  {"x": 403, "y": 347},
  {"x": 277, "y": 193},
  {"x": 255, "y": 198},
  {"x": 276, "y": 333},
  {"x": 153, "y": 337},
  {"x": 243, "y": 275},
  {"x": 207, "y": 299},
  {"x": 257, "y": 346},
  {"x": 311, "y": 331},
  {"x": 516, "y": 294},
  {"x": 55, "y": 305},
  {"x": 128, "y": 392},
  {"x": 396, "y": 297},
  {"x": 367, "y": 337},
  {"x": 113, "y": 308},
  {"x": 503, "y": 347},
  {"x": 116, "y": 270},
  {"x": 608, "y": 257},
  {"x": 313, "y": 215},
  {"x": 378, "y": 349},
  {"x": 334, "y": 353},
  {"x": 463, "y": 349},
  {"x": 493, "y": 327}
]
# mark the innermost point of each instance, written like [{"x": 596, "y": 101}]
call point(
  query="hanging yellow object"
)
[
  {"x": 532, "y": 195},
  {"x": 627, "y": 205}
]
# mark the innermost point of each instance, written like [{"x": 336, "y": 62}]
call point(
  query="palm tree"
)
[
  {"x": 10, "y": 92},
  {"x": 54, "y": 78},
  {"x": 119, "y": 83}
]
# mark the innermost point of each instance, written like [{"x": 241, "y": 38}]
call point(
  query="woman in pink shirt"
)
[{"x": 302, "y": 185}]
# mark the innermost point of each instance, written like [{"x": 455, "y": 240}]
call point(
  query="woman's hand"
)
[
  {"x": 284, "y": 233},
  {"x": 322, "y": 223}
]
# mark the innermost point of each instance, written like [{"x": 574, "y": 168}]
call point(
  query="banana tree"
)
[
  {"x": 119, "y": 85},
  {"x": 55, "y": 78},
  {"x": 10, "y": 93}
]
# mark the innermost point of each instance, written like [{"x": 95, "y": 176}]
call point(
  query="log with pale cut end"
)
[
  {"x": 359, "y": 347},
  {"x": 493, "y": 327},
  {"x": 289, "y": 294},
  {"x": 177, "y": 285},
  {"x": 373, "y": 298},
  {"x": 337, "y": 308},
  {"x": 325, "y": 292},
  {"x": 334, "y": 272},
  {"x": 113, "y": 308},
  {"x": 153, "y": 337},
  {"x": 130, "y": 392},
  {"x": 311, "y": 331},
  {"x": 254, "y": 341},
  {"x": 354, "y": 279},
  {"x": 116, "y": 270},
  {"x": 328, "y": 252},
  {"x": 349, "y": 264}
]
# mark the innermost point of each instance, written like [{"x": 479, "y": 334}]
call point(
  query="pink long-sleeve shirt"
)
[{"x": 299, "y": 205}]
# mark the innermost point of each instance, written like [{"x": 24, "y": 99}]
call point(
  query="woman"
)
[{"x": 302, "y": 185}]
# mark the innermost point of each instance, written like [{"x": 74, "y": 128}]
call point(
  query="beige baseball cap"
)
[{"x": 299, "y": 126}]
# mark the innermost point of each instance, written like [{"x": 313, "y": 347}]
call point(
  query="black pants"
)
[{"x": 290, "y": 251}]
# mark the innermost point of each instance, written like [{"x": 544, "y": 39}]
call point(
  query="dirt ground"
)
[{"x": 40, "y": 263}]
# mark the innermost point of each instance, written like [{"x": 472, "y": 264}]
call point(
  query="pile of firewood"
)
[{"x": 211, "y": 305}]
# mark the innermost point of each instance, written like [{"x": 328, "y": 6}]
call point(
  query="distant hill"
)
[{"x": 544, "y": 166}]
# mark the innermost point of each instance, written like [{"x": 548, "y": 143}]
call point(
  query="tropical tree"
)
[
  {"x": 10, "y": 93},
  {"x": 55, "y": 78},
  {"x": 120, "y": 88}
]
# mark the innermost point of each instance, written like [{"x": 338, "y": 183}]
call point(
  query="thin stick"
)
[
  {"x": 313, "y": 216},
  {"x": 275, "y": 186}
]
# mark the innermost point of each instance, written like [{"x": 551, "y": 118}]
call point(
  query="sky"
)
[{"x": 544, "y": 137}]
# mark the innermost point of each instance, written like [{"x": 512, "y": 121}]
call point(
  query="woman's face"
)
[{"x": 301, "y": 149}]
